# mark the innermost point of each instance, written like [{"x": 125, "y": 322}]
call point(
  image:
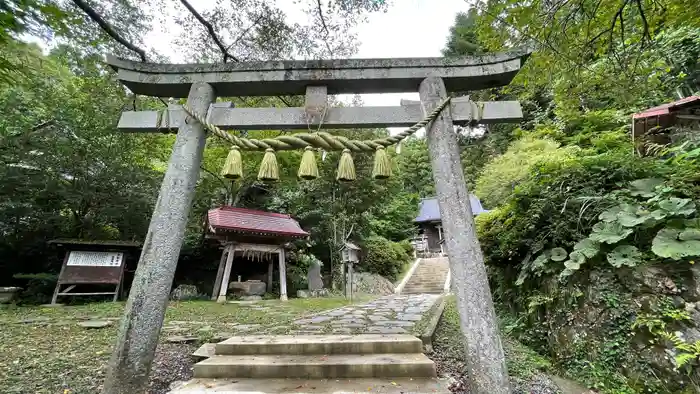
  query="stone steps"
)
[
  {"x": 429, "y": 277},
  {"x": 316, "y": 366},
  {"x": 319, "y": 344},
  {"x": 317, "y": 386},
  {"x": 317, "y": 356}
]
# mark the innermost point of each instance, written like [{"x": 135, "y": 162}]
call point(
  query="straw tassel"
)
[
  {"x": 346, "y": 167},
  {"x": 233, "y": 166},
  {"x": 268, "y": 167},
  {"x": 308, "y": 169},
  {"x": 382, "y": 164}
]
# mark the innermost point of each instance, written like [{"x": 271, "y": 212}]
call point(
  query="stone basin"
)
[
  {"x": 8, "y": 294},
  {"x": 248, "y": 288}
]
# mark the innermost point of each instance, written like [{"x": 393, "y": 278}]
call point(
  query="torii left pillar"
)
[{"x": 140, "y": 326}]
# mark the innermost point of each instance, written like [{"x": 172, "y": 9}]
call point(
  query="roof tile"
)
[
  {"x": 430, "y": 210},
  {"x": 250, "y": 220}
]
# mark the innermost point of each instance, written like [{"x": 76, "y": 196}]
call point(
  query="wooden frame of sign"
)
[{"x": 84, "y": 265}]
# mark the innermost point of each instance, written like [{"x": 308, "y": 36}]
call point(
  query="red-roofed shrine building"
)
[
  {"x": 242, "y": 232},
  {"x": 668, "y": 123}
]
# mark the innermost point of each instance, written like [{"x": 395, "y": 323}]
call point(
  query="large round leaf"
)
[
  {"x": 633, "y": 215},
  {"x": 644, "y": 187},
  {"x": 558, "y": 254},
  {"x": 609, "y": 233},
  {"x": 678, "y": 206},
  {"x": 624, "y": 255},
  {"x": 689, "y": 234},
  {"x": 610, "y": 214},
  {"x": 666, "y": 244},
  {"x": 576, "y": 258},
  {"x": 587, "y": 247}
]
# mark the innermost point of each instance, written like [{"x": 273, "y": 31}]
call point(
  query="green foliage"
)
[
  {"x": 36, "y": 288},
  {"x": 605, "y": 210},
  {"x": 688, "y": 354},
  {"x": 505, "y": 172},
  {"x": 624, "y": 255},
  {"x": 672, "y": 243},
  {"x": 464, "y": 37},
  {"x": 594, "y": 64},
  {"x": 384, "y": 257},
  {"x": 641, "y": 208}
]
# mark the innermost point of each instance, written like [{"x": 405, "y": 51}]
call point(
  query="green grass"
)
[
  {"x": 448, "y": 343},
  {"x": 52, "y": 356}
]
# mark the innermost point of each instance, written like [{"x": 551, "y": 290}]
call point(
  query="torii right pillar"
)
[{"x": 485, "y": 358}]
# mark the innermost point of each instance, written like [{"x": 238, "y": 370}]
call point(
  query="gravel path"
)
[{"x": 173, "y": 362}]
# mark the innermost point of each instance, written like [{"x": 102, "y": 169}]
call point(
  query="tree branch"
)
[
  {"x": 210, "y": 29},
  {"x": 218, "y": 41},
  {"x": 214, "y": 176},
  {"x": 245, "y": 32},
  {"x": 325, "y": 27},
  {"x": 645, "y": 33},
  {"x": 107, "y": 28},
  {"x": 42, "y": 125}
]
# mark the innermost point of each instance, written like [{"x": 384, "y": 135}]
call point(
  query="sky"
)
[{"x": 410, "y": 28}]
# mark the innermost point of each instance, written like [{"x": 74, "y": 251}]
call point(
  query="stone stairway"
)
[
  {"x": 429, "y": 276},
  {"x": 322, "y": 364}
]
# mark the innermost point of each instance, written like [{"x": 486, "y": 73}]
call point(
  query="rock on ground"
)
[
  {"x": 184, "y": 293},
  {"x": 366, "y": 283}
]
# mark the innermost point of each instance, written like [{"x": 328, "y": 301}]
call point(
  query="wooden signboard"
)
[{"x": 90, "y": 268}]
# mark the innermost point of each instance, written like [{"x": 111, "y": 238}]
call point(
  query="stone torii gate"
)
[{"x": 202, "y": 83}]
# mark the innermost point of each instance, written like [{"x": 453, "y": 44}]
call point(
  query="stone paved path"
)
[{"x": 392, "y": 314}]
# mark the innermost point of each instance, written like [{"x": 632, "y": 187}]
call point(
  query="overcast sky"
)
[{"x": 410, "y": 28}]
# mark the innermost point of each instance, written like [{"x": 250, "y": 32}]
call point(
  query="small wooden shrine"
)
[
  {"x": 673, "y": 122},
  {"x": 430, "y": 238},
  {"x": 251, "y": 232}
]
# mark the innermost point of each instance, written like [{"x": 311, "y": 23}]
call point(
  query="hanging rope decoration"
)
[{"x": 233, "y": 167}]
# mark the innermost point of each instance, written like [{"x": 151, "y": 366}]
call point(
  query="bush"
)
[
  {"x": 384, "y": 257},
  {"x": 502, "y": 175},
  {"x": 297, "y": 272},
  {"x": 556, "y": 206},
  {"x": 38, "y": 288}
]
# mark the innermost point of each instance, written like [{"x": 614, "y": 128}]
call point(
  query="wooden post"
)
[
  {"x": 219, "y": 275},
  {"x": 223, "y": 289},
  {"x": 270, "y": 269},
  {"x": 283, "y": 276},
  {"x": 484, "y": 352},
  {"x": 350, "y": 269},
  {"x": 140, "y": 326}
]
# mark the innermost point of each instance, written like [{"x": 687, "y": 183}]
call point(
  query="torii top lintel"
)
[{"x": 341, "y": 76}]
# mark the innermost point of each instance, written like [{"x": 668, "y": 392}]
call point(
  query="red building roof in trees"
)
[
  {"x": 253, "y": 221},
  {"x": 667, "y": 108}
]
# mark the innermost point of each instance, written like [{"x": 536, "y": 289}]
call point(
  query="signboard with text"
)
[
  {"x": 95, "y": 259},
  {"x": 92, "y": 267}
]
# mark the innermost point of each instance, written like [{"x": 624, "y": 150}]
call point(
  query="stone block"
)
[
  {"x": 313, "y": 293},
  {"x": 248, "y": 288},
  {"x": 184, "y": 292},
  {"x": 313, "y": 276},
  {"x": 333, "y": 366},
  {"x": 8, "y": 294}
]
